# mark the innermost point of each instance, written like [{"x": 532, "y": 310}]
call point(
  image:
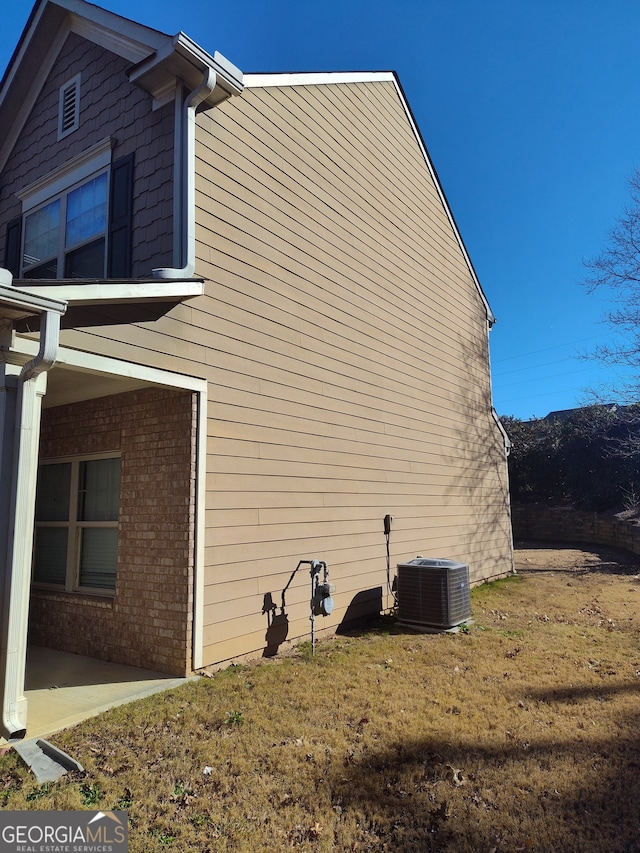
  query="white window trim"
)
[
  {"x": 57, "y": 184},
  {"x": 64, "y": 177},
  {"x": 72, "y": 578},
  {"x": 63, "y": 249},
  {"x": 73, "y": 83}
]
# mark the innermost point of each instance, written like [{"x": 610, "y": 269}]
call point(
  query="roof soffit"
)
[
  {"x": 181, "y": 59},
  {"x": 114, "y": 40},
  {"x": 109, "y": 302},
  {"x": 18, "y": 304}
]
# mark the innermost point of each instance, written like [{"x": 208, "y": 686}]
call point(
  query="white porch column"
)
[
  {"x": 20, "y": 521},
  {"x": 21, "y": 392},
  {"x": 8, "y": 396}
]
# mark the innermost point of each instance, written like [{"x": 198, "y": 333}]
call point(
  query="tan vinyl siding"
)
[
  {"x": 350, "y": 359},
  {"x": 345, "y": 345}
]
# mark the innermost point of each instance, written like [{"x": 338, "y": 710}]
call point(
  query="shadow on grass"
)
[
  {"x": 576, "y": 796},
  {"x": 381, "y": 624},
  {"x": 574, "y": 695}
]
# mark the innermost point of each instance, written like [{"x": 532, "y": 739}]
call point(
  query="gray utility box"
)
[{"x": 433, "y": 594}]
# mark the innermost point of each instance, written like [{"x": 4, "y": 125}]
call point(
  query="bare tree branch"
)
[{"x": 617, "y": 268}]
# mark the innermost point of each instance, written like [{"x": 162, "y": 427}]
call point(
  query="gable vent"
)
[{"x": 69, "y": 107}]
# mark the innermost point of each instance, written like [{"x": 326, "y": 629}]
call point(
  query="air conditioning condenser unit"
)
[{"x": 433, "y": 594}]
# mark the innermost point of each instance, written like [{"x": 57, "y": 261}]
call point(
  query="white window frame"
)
[
  {"x": 58, "y": 184},
  {"x": 61, "y": 256},
  {"x": 74, "y": 529},
  {"x": 73, "y": 86}
]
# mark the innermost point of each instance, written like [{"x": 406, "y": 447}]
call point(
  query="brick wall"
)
[
  {"x": 568, "y": 525},
  {"x": 148, "y": 622}
]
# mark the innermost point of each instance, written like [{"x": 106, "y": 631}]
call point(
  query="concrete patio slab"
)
[{"x": 64, "y": 689}]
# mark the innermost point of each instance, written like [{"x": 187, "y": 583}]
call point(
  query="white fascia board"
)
[
  {"x": 505, "y": 435},
  {"x": 46, "y": 62},
  {"x": 314, "y": 78},
  {"x": 86, "y": 362},
  {"x": 32, "y": 303},
  {"x": 122, "y": 36},
  {"x": 105, "y": 293}
]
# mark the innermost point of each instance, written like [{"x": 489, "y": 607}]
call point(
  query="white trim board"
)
[
  {"x": 115, "y": 292},
  {"x": 89, "y": 363},
  {"x": 77, "y": 169},
  {"x": 316, "y": 78}
]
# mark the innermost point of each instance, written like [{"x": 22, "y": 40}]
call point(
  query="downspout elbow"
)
[
  {"x": 186, "y": 180},
  {"x": 48, "y": 350}
]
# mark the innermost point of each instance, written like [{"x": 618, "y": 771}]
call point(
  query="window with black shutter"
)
[
  {"x": 120, "y": 216},
  {"x": 83, "y": 231},
  {"x": 12, "y": 246}
]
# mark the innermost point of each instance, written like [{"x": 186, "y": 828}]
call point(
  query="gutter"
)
[
  {"x": 505, "y": 436},
  {"x": 219, "y": 81}
]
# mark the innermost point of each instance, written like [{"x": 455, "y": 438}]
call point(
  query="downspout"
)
[
  {"x": 30, "y": 388},
  {"x": 185, "y": 177},
  {"x": 507, "y": 447},
  {"x": 491, "y": 321}
]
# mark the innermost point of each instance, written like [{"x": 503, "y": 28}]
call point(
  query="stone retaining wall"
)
[{"x": 568, "y": 525}]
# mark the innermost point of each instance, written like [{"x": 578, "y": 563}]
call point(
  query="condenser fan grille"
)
[{"x": 433, "y": 593}]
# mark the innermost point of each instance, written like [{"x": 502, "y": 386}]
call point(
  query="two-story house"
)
[{"x": 238, "y": 328}]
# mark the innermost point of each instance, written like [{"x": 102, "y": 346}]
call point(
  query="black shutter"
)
[
  {"x": 120, "y": 219},
  {"x": 12, "y": 246}
]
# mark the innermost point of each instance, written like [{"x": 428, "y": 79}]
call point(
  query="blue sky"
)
[{"x": 531, "y": 113}]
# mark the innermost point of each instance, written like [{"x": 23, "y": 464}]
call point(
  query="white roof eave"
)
[
  {"x": 106, "y": 293},
  {"x": 316, "y": 78},
  {"x": 17, "y": 303},
  {"x": 182, "y": 59}
]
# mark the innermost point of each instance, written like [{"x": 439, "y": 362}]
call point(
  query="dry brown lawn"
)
[{"x": 520, "y": 735}]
